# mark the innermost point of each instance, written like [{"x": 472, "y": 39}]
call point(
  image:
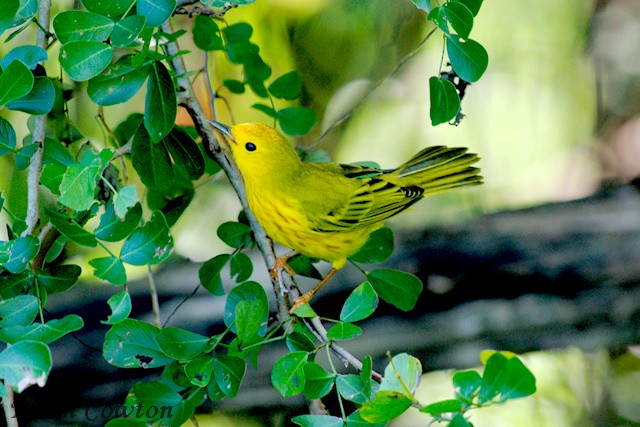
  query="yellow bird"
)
[{"x": 328, "y": 210}]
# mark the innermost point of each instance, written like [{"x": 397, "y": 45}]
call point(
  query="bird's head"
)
[{"x": 257, "y": 147}]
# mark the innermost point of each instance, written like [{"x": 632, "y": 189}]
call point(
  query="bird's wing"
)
[{"x": 373, "y": 200}]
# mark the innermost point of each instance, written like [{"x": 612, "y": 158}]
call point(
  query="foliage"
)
[{"x": 116, "y": 48}]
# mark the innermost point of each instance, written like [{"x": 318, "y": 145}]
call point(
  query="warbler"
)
[{"x": 328, "y": 210}]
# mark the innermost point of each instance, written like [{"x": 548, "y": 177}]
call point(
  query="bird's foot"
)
[
  {"x": 281, "y": 263},
  {"x": 301, "y": 300}
]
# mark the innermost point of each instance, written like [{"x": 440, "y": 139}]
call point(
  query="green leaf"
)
[
  {"x": 156, "y": 11},
  {"x": 59, "y": 278},
  {"x": 351, "y": 388},
  {"x": 133, "y": 344},
  {"x": 124, "y": 199},
  {"x": 343, "y": 331},
  {"x": 378, "y": 247},
  {"x": 459, "y": 16},
  {"x": 442, "y": 407},
  {"x": 46, "y": 333},
  {"x": 507, "y": 378},
  {"x": 152, "y": 394},
  {"x": 7, "y": 137},
  {"x": 23, "y": 156},
  {"x": 20, "y": 253},
  {"x": 468, "y": 58},
  {"x": 298, "y": 341},
  {"x": 7, "y": 14},
  {"x": 111, "y": 8},
  {"x": 361, "y": 304},
  {"x": 185, "y": 153},
  {"x": 119, "y": 83},
  {"x": 265, "y": 109},
  {"x": 422, "y": 4},
  {"x": 25, "y": 363},
  {"x": 39, "y": 101},
  {"x": 110, "y": 269},
  {"x": 151, "y": 161},
  {"x": 228, "y": 372},
  {"x": 241, "y": 267},
  {"x": 20, "y": 310},
  {"x": 444, "y": 100},
  {"x": 112, "y": 228},
  {"x": 466, "y": 384},
  {"x": 120, "y": 305},
  {"x": 127, "y": 30},
  {"x": 317, "y": 421},
  {"x": 296, "y": 121},
  {"x": 303, "y": 265},
  {"x": 83, "y": 60},
  {"x": 206, "y": 33},
  {"x": 29, "y": 55},
  {"x": 404, "y": 370},
  {"x": 209, "y": 274},
  {"x": 52, "y": 175},
  {"x": 437, "y": 16},
  {"x": 235, "y": 234},
  {"x": 288, "y": 86},
  {"x": 396, "y": 287},
  {"x": 250, "y": 292},
  {"x": 16, "y": 81},
  {"x": 13, "y": 284},
  {"x": 71, "y": 229},
  {"x": 458, "y": 420},
  {"x": 181, "y": 344},
  {"x": 355, "y": 420},
  {"x": 124, "y": 422},
  {"x": 149, "y": 244},
  {"x": 175, "y": 207},
  {"x": 287, "y": 375},
  {"x": 78, "y": 185},
  {"x": 385, "y": 406},
  {"x": 160, "y": 106},
  {"x": 234, "y": 86},
  {"x": 318, "y": 382},
  {"x": 199, "y": 370},
  {"x": 249, "y": 317},
  {"x": 74, "y": 25},
  {"x": 56, "y": 249},
  {"x": 472, "y": 5},
  {"x": 305, "y": 311}
]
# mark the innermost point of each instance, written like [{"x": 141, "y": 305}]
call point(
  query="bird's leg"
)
[
  {"x": 281, "y": 262},
  {"x": 306, "y": 298}
]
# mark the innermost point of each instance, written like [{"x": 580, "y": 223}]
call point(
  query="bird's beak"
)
[{"x": 223, "y": 129}]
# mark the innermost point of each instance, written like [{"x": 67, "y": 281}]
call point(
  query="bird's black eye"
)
[{"x": 250, "y": 146}]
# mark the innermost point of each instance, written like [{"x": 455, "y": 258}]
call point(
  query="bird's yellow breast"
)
[{"x": 285, "y": 221}]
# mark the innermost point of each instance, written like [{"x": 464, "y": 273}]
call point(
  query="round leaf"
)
[
  {"x": 83, "y": 60},
  {"x": 235, "y": 234},
  {"x": 111, "y": 8},
  {"x": 74, "y": 25},
  {"x": 133, "y": 344},
  {"x": 247, "y": 291},
  {"x": 444, "y": 100},
  {"x": 16, "y": 81},
  {"x": 120, "y": 305},
  {"x": 209, "y": 274},
  {"x": 39, "y": 101},
  {"x": 30, "y": 55},
  {"x": 317, "y": 421},
  {"x": 110, "y": 269},
  {"x": 296, "y": 121},
  {"x": 386, "y": 405},
  {"x": 228, "y": 372},
  {"x": 118, "y": 84},
  {"x": 181, "y": 344},
  {"x": 318, "y": 382},
  {"x": 156, "y": 11},
  {"x": 468, "y": 58},
  {"x": 25, "y": 363},
  {"x": 149, "y": 244},
  {"x": 206, "y": 33},
  {"x": 396, "y": 287},
  {"x": 343, "y": 331},
  {"x": 361, "y": 304},
  {"x": 460, "y": 18},
  {"x": 127, "y": 30},
  {"x": 287, "y": 375},
  {"x": 288, "y": 86}
]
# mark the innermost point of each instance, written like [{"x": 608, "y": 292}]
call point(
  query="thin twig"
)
[
  {"x": 362, "y": 100},
  {"x": 155, "y": 305},
  {"x": 9, "y": 408}
]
